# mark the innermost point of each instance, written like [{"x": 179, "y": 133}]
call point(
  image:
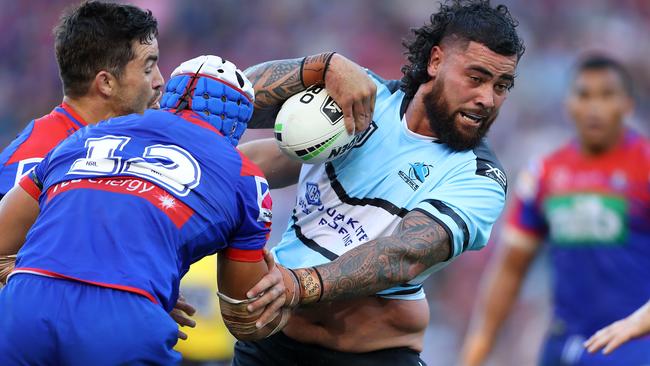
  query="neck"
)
[
  {"x": 416, "y": 115},
  {"x": 89, "y": 108},
  {"x": 607, "y": 146}
]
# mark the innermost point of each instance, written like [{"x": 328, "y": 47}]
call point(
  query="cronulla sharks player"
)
[{"x": 418, "y": 188}]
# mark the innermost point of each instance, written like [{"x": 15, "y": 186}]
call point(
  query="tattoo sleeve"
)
[
  {"x": 274, "y": 82},
  {"x": 418, "y": 243}
]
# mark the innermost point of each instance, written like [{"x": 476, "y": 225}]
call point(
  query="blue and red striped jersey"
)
[
  {"x": 34, "y": 142},
  {"x": 131, "y": 202}
]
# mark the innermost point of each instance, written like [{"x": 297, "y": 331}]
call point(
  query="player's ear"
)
[
  {"x": 105, "y": 83},
  {"x": 435, "y": 59}
]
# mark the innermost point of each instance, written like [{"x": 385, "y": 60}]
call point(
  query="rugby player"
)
[
  {"x": 119, "y": 211},
  {"x": 107, "y": 56},
  {"x": 418, "y": 187},
  {"x": 590, "y": 201}
]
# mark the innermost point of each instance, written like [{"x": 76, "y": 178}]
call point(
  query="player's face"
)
[
  {"x": 469, "y": 86},
  {"x": 598, "y": 103},
  {"x": 140, "y": 86}
]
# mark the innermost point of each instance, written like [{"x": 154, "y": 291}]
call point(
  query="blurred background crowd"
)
[{"x": 532, "y": 121}]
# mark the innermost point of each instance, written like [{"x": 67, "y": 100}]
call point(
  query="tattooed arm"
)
[
  {"x": 417, "y": 243},
  {"x": 276, "y": 81}
]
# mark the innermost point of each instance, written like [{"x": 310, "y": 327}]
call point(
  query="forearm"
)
[
  {"x": 498, "y": 294},
  {"x": 385, "y": 262},
  {"x": 497, "y": 297},
  {"x": 18, "y": 212},
  {"x": 280, "y": 171},
  {"x": 276, "y": 81}
]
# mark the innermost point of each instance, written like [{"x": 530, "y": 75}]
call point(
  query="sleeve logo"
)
[{"x": 263, "y": 200}]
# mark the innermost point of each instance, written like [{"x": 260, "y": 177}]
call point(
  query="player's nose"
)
[
  {"x": 485, "y": 97},
  {"x": 158, "y": 80}
]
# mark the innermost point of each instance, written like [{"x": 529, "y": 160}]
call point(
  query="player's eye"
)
[
  {"x": 502, "y": 88},
  {"x": 475, "y": 79}
]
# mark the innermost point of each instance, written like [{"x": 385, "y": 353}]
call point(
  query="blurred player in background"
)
[
  {"x": 418, "y": 187},
  {"x": 590, "y": 201},
  {"x": 119, "y": 211}
]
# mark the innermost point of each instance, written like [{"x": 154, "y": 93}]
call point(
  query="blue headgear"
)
[{"x": 216, "y": 90}]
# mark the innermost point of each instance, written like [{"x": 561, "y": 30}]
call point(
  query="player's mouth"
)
[
  {"x": 473, "y": 119},
  {"x": 155, "y": 102}
]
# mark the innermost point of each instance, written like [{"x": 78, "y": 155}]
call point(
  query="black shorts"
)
[{"x": 280, "y": 350}]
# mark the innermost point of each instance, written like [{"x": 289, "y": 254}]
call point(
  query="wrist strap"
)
[
  {"x": 311, "y": 285},
  {"x": 313, "y": 69}
]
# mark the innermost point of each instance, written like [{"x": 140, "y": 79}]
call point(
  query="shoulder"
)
[
  {"x": 391, "y": 86},
  {"x": 488, "y": 165},
  {"x": 39, "y": 137}
]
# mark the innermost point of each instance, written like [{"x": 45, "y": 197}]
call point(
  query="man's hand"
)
[
  {"x": 277, "y": 290},
  {"x": 353, "y": 90},
  {"x": 181, "y": 315},
  {"x": 7, "y": 264},
  {"x": 617, "y": 333}
]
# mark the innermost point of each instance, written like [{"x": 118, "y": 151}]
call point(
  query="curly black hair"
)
[
  {"x": 471, "y": 20},
  {"x": 95, "y": 36}
]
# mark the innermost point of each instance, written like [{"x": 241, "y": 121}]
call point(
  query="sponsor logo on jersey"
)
[
  {"x": 263, "y": 200},
  {"x": 357, "y": 141},
  {"x": 417, "y": 174},
  {"x": 586, "y": 219},
  {"x": 347, "y": 227},
  {"x": 312, "y": 194},
  {"x": 331, "y": 110},
  {"x": 489, "y": 169},
  {"x": 174, "y": 208}
]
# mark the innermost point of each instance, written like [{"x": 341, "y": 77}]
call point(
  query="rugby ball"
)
[{"x": 310, "y": 128}]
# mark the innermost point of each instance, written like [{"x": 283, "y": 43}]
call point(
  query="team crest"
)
[
  {"x": 417, "y": 174},
  {"x": 312, "y": 194}
]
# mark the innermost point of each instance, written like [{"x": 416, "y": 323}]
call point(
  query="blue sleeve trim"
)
[
  {"x": 446, "y": 210},
  {"x": 450, "y": 234}
]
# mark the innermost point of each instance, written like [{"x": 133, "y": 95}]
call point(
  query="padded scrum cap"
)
[{"x": 216, "y": 90}]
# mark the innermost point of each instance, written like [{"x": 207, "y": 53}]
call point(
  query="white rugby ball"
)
[{"x": 310, "y": 128}]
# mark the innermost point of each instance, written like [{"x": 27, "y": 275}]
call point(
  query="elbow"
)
[{"x": 242, "y": 324}]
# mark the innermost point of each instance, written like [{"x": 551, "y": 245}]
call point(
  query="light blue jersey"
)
[{"x": 387, "y": 172}]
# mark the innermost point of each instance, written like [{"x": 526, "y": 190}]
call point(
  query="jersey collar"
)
[{"x": 72, "y": 115}]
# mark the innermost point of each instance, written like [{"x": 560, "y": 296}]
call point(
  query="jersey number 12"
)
[{"x": 168, "y": 165}]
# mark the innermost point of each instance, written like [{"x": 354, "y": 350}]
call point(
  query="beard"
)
[{"x": 442, "y": 121}]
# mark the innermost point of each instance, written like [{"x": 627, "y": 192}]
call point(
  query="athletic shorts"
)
[
  {"x": 49, "y": 321},
  {"x": 280, "y": 350},
  {"x": 567, "y": 350}
]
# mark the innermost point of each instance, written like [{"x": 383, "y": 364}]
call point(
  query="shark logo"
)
[
  {"x": 417, "y": 174},
  {"x": 419, "y": 171}
]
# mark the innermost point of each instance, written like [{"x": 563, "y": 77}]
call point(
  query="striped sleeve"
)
[
  {"x": 254, "y": 203},
  {"x": 466, "y": 205}
]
